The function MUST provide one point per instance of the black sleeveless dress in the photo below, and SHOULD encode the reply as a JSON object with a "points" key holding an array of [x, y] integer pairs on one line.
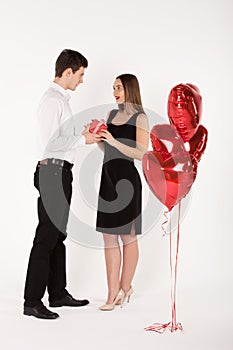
{"points": [[119, 202]]}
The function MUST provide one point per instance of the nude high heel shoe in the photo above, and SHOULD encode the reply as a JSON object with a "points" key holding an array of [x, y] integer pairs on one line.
{"points": [[117, 301], [127, 295]]}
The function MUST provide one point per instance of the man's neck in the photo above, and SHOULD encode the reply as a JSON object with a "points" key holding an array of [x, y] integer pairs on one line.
{"points": [[60, 82]]}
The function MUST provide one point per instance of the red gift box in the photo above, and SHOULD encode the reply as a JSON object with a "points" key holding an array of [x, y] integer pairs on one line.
{"points": [[97, 126]]}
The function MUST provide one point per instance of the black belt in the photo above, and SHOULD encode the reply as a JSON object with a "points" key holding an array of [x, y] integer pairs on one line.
{"points": [[58, 162]]}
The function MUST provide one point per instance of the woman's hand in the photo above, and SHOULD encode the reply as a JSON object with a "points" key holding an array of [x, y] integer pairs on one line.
{"points": [[106, 136]]}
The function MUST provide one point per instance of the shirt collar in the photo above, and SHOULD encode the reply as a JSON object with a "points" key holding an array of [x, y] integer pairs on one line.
{"points": [[61, 90]]}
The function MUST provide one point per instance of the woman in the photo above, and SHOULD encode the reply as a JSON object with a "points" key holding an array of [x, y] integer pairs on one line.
{"points": [[119, 204]]}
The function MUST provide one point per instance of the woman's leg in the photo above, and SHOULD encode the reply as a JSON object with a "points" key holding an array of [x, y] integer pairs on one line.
{"points": [[130, 259], [113, 265]]}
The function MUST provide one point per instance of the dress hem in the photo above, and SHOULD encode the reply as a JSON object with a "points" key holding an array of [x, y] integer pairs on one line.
{"points": [[116, 233]]}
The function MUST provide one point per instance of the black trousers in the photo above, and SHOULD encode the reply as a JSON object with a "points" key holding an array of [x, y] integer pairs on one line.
{"points": [[47, 265]]}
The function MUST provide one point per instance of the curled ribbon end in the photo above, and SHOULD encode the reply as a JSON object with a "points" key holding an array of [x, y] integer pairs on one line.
{"points": [[165, 222], [161, 327]]}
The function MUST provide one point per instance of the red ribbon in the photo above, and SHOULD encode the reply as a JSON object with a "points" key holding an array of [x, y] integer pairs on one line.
{"points": [[165, 222], [161, 327], [173, 325]]}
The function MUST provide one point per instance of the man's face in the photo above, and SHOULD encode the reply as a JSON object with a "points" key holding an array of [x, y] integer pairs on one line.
{"points": [[75, 78]]}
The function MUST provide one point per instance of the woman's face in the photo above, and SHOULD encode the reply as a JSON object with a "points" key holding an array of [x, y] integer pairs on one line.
{"points": [[118, 91]]}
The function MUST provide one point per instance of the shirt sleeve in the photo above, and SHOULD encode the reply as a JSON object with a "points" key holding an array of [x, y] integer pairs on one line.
{"points": [[53, 136]]}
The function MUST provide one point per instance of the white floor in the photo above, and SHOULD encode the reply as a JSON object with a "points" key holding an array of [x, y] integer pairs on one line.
{"points": [[204, 294], [206, 316]]}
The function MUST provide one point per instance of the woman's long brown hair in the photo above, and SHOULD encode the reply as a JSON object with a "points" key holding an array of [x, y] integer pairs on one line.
{"points": [[132, 91]]}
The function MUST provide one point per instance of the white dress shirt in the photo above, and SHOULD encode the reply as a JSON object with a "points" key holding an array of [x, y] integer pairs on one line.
{"points": [[56, 134]]}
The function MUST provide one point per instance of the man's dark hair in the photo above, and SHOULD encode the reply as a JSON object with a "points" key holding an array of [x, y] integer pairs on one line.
{"points": [[69, 59]]}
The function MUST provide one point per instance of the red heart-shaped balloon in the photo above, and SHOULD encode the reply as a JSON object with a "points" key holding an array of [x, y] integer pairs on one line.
{"points": [[198, 143], [184, 109], [168, 168]]}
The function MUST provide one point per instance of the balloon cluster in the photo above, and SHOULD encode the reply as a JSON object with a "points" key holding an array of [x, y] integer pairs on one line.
{"points": [[171, 168]]}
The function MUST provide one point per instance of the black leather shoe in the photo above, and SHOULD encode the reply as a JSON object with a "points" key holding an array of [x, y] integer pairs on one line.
{"points": [[68, 300], [40, 312]]}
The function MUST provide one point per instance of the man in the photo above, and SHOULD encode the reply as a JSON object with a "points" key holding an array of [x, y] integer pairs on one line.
{"points": [[53, 179]]}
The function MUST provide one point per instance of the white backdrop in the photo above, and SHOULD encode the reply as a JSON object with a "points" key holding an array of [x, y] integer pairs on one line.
{"points": [[164, 43]]}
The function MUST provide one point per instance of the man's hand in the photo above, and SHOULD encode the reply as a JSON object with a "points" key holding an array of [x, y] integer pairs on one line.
{"points": [[86, 128], [91, 138]]}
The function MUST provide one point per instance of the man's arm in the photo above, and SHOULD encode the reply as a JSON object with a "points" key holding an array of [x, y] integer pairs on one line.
{"points": [[55, 137]]}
